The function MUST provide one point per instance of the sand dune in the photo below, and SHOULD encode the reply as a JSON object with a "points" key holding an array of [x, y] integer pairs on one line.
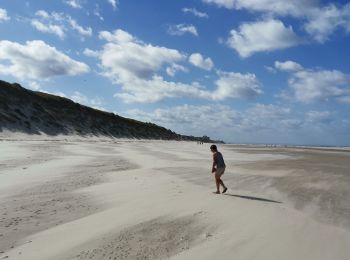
{"points": [[153, 200]]}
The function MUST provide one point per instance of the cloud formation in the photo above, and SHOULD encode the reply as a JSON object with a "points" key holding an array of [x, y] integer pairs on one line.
{"points": [[319, 21], [74, 3], [195, 12], [36, 60], [181, 29], [266, 35], [196, 59], [3, 15], [312, 85], [323, 22], [114, 3], [137, 67], [258, 123], [237, 86], [174, 68], [288, 66], [57, 24]]}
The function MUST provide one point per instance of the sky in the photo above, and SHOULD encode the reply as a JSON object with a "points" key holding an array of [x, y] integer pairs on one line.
{"points": [[242, 71]]}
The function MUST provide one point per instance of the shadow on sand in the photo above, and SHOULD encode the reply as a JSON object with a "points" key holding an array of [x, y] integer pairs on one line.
{"points": [[252, 198]]}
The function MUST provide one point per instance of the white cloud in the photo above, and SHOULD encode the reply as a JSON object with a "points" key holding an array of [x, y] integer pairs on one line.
{"points": [[197, 60], [74, 3], [278, 7], [323, 22], [201, 120], [81, 30], [264, 123], [53, 29], [311, 85], [114, 3], [155, 89], [288, 66], [267, 35], [124, 57], [259, 123], [90, 53], [136, 67], [43, 14], [3, 15], [317, 85], [174, 68], [319, 21], [181, 29], [190, 119], [195, 12], [230, 4], [58, 23], [36, 60], [236, 85]]}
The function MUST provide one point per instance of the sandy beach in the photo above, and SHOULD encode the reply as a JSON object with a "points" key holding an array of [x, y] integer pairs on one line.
{"points": [[124, 199]]}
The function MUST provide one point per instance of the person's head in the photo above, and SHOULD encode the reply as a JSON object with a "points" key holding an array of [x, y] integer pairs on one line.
{"points": [[213, 148]]}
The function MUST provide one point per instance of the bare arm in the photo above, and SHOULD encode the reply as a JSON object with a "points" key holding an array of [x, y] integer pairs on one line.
{"points": [[214, 163]]}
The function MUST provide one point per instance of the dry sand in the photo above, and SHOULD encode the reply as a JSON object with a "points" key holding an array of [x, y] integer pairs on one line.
{"points": [[74, 199]]}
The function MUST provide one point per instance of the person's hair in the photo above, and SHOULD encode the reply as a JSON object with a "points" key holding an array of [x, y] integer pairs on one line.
{"points": [[213, 147]]}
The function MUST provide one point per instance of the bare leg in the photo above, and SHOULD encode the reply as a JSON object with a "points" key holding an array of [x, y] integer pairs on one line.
{"points": [[217, 182], [222, 183]]}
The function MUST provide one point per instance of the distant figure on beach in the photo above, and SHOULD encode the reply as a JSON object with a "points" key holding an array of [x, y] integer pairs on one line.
{"points": [[218, 168]]}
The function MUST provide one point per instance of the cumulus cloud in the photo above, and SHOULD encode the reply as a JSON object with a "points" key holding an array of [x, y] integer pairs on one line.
{"points": [[90, 53], [49, 28], [319, 21], [36, 60], [288, 66], [195, 12], [136, 66], [323, 22], [258, 123], [267, 35], [74, 3], [279, 7], [124, 57], [236, 85], [174, 68], [197, 60], [201, 120], [58, 24], [114, 3], [317, 85], [181, 29], [312, 85], [190, 119], [78, 28], [3, 15], [230, 4]]}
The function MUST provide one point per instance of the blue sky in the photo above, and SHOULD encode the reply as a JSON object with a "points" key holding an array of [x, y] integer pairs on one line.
{"points": [[244, 71]]}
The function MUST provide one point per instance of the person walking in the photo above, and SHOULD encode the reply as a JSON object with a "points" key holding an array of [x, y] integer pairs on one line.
{"points": [[218, 168]]}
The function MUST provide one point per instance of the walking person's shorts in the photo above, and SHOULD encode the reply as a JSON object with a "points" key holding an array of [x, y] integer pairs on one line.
{"points": [[219, 172]]}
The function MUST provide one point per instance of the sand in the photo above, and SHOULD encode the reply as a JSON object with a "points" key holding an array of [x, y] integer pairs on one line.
{"points": [[124, 199]]}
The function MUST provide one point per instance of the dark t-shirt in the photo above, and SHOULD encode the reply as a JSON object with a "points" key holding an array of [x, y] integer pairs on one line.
{"points": [[219, 160]]}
